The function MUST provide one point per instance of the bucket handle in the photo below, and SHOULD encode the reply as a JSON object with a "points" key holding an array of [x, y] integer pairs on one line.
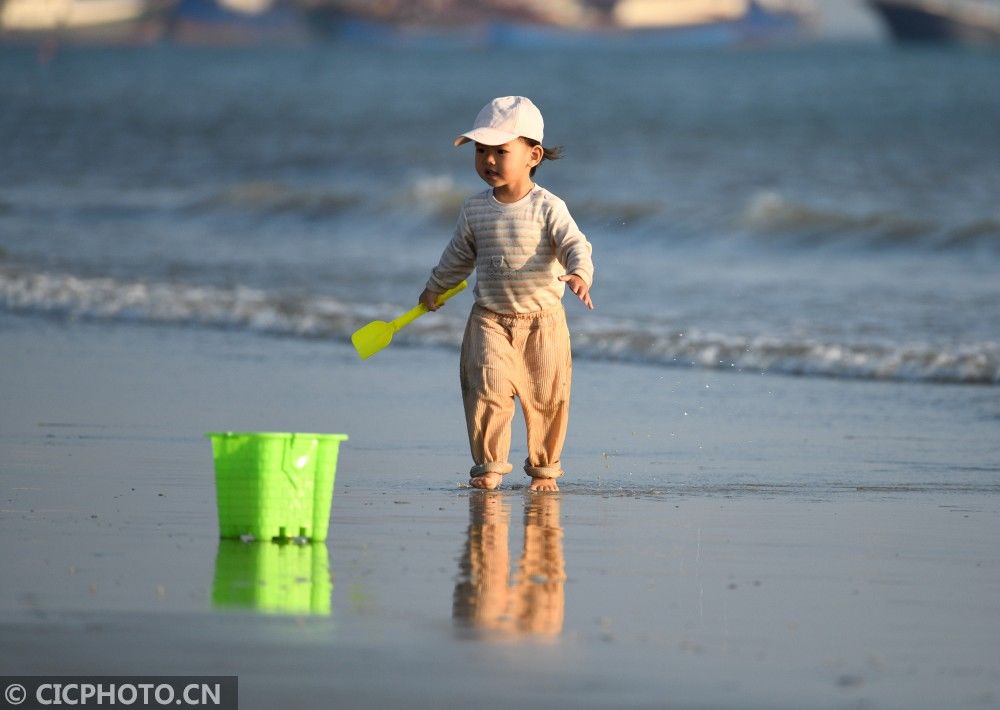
{"points": [[291, 457]]}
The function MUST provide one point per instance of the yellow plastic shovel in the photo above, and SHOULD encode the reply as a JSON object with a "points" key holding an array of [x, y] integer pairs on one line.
{"points": [[378, 334]]}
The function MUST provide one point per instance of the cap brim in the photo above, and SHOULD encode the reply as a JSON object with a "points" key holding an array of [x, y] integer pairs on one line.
{"points": [[486, 136]]}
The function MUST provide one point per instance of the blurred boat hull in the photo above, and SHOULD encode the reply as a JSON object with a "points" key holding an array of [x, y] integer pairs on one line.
{"points": [[972, 23]]}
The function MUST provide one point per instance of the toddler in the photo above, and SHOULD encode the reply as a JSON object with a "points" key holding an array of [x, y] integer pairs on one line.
{"points": [[525, 248]]}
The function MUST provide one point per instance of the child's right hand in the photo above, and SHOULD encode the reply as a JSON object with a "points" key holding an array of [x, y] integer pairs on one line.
{"points": [[429, 298]]}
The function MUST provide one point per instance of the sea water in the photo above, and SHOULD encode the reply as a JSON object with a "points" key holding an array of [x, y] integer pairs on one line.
{"points": [[826, 211]]}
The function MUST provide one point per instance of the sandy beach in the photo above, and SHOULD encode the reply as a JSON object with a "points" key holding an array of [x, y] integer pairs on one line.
{"points": [[720, 540]]}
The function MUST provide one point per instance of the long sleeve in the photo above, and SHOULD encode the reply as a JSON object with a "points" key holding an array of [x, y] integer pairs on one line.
{"points": [[572, 248], [458, 259]]}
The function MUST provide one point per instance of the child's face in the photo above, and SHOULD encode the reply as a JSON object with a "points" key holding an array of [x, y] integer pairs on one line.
{"points": [[507, 165]]}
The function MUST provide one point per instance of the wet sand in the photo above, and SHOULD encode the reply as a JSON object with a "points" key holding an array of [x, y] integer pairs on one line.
{"points": [[721, 539]]}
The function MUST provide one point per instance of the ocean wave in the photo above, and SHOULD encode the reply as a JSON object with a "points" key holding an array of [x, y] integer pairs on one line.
{"points": [[254, 196], [276, 197], [420, 201], [88, 199], [69, 296], [620, 212], [975, 363], [64, 295], [774, 216], [437, 195]]}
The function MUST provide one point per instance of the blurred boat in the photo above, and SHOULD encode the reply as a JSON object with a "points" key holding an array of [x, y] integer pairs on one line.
{"points": [[635, 23], [653, 23], [98, 21], [236, 22], [973, 22]]}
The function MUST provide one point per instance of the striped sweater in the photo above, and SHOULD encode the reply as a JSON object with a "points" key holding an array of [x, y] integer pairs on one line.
{"points": [[518, 250]]}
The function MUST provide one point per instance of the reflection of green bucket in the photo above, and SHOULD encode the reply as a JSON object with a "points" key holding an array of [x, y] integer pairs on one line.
{"points": [[277, 578], [272, 485]]}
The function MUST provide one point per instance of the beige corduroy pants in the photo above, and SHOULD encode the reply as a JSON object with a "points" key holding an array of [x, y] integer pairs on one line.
{"points": [[523, 355]]}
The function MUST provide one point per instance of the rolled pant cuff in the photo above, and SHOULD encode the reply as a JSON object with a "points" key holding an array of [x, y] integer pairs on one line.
{"points": [[551, 471], [490, 467]]}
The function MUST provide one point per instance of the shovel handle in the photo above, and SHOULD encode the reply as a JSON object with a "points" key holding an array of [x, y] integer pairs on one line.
{"points": [[419, 309]]}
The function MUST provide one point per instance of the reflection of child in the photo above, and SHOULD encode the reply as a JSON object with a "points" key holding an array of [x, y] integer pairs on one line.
{"points": [[525, 248], [535, 603], [540, 598]]}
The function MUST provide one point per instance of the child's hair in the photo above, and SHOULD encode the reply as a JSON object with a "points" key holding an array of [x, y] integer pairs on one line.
{"points": [[553, 153]]}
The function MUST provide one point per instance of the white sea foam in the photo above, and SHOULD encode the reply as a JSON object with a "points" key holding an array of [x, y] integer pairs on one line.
{"points": [[67, 296], [977, 363]]}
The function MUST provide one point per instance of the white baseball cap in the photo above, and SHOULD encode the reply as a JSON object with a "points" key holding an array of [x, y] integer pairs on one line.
{"points": [[504, 119]]}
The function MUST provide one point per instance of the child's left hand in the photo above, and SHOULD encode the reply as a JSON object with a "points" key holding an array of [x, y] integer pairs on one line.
{"points": [[579, 287]]}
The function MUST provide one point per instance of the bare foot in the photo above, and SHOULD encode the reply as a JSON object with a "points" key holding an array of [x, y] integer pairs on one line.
{"points": [[488, 481], [543, 484]]}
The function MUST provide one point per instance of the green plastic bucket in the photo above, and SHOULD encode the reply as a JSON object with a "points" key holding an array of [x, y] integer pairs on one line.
{"points": [[274, 485], [272, 577]]}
